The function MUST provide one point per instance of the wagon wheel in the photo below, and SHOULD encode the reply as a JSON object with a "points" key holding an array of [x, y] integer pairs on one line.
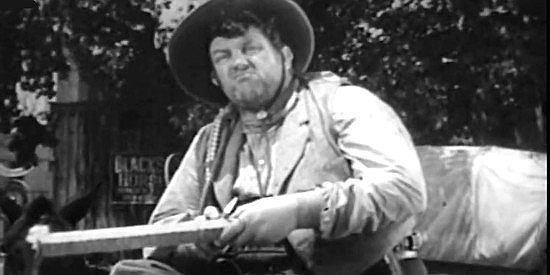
{"points": [[9, 172]]}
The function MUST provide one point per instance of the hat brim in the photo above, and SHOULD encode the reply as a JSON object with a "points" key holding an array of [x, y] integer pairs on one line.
{"points": [[188, 48]]}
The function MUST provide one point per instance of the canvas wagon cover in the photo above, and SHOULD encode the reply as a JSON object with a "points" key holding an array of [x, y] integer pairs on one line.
{"points": [[486, 205]]}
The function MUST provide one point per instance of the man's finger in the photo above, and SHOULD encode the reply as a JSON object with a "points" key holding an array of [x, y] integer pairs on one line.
{"points": [[243, 238], [211, 213], [234, 229], [203, 252], [208, 250], [238, 212]]}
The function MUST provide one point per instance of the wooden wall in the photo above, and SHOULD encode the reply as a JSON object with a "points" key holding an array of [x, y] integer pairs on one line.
{"points": [[93, 122], [89, 135]]}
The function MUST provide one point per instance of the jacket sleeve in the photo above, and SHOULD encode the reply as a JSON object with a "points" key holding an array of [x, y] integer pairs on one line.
{"points": [[180, 200], [387, 185]]}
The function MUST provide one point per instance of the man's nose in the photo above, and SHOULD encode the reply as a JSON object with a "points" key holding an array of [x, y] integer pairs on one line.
{"points": [[240, 61]]}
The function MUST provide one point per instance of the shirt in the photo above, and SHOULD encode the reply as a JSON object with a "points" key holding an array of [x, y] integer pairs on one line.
{"points": [[256, 160]]}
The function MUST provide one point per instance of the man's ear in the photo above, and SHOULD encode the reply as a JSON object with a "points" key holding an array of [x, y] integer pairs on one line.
{"points": [[75, 210], [288, 56], [214, 79]]}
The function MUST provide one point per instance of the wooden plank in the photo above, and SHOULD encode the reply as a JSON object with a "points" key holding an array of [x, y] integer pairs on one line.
{"points": [[126, 238]]}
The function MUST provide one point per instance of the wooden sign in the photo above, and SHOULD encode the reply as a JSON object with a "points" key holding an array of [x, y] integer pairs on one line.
{"points": [[137, 179]]}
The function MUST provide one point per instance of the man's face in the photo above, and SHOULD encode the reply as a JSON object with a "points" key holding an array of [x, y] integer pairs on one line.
{"points": [[248, 68]]}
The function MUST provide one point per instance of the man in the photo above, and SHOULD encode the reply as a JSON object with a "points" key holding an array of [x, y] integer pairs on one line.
{"points": [[327, 177]]}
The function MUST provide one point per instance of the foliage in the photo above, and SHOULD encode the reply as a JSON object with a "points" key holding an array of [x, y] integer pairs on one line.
{"points": [[109, 41], [28, 57], [457, 72], [24, 141]]}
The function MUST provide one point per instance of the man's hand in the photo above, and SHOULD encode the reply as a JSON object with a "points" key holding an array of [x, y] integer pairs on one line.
{"points": [[264, 221], [269, 220], [207, 249]]}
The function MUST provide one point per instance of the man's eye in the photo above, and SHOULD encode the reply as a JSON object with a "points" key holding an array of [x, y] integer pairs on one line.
{"points": [[220, 57], [252, 49]]}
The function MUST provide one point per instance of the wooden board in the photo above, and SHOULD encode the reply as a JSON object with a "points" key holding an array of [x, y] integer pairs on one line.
{"points": [[126, 238]]}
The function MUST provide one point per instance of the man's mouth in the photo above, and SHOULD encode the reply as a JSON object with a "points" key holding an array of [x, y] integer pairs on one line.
{"points": [[243, 76]]}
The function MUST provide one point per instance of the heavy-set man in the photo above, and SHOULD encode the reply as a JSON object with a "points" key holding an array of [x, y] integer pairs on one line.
{"points": [[326, 174]]}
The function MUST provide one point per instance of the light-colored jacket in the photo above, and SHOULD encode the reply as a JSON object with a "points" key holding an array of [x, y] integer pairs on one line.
{"points": [[340, 138]]}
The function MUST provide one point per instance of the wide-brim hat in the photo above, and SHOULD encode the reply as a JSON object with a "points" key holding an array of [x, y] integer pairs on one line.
{"points": [[188, 55]]}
